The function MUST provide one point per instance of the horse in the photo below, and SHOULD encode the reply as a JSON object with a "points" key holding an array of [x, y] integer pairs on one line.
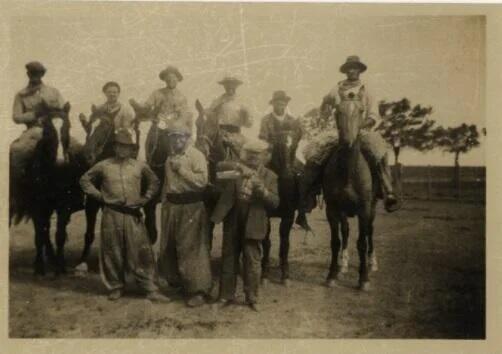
{"points": [[350, 189], [50, 184], [289, 170], [283, 162]]}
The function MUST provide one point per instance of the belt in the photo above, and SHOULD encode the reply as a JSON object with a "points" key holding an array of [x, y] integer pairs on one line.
{"points": [[125, 210], [230, 128], [185, 198]]}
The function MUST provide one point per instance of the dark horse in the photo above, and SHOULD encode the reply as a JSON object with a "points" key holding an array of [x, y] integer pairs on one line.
{"points": [[49, 184], [350, 190], [289, 170]]}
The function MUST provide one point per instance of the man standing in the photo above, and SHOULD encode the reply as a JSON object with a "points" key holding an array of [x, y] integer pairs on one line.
{"points": [[243, 207], [184, 258], [227, 115], [124, 243], [163, 106]]}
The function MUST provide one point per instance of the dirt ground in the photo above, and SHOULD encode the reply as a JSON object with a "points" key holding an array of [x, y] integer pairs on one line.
{"points": [[431, 284]]}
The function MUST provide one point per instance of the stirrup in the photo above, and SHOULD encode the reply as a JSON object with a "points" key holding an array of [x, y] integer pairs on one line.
{"points": [[392, 205]]}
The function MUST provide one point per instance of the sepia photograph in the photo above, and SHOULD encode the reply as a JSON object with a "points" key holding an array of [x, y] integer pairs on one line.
{"points": [[244, 171]]}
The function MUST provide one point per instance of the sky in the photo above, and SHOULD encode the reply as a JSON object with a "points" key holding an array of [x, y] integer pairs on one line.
{"points": [[431, 60]]}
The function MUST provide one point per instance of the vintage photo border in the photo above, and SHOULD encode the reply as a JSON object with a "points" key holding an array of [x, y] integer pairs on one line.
{"points": [[9, 10]]}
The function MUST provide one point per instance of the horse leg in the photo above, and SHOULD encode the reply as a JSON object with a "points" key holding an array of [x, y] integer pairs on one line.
{"points": [[344, 223], [151, 221], [372, 258], [39, 265], [362, 248], [284, 231], [91, 213], [334, 269], [265, 261], [61, 235]]}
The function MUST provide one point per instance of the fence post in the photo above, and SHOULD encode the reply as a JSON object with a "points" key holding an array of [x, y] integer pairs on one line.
{"points": [[429, 182]]}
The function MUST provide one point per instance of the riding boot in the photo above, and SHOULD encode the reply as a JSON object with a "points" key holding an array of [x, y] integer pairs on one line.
{"points": [[307, 198], [390, 200]]}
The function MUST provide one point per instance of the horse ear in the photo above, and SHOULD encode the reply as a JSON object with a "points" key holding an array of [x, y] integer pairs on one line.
{"points": [[199, 107], [67, 107]]}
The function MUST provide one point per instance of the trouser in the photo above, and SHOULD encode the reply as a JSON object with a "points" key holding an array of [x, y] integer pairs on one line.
{"points": [[125, 246], [184, 257], [235, 243]]}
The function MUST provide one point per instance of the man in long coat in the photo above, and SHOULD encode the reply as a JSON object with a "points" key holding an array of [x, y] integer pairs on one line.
{"points": [[184, 258], [243, 208]]}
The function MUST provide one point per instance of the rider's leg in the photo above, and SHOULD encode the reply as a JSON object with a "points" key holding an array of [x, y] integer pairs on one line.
{"points": [[312, 173], [373, 149]]}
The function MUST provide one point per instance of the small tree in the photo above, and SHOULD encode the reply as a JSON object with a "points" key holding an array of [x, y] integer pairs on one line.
{"points": [[457, 140], [404, 126]]}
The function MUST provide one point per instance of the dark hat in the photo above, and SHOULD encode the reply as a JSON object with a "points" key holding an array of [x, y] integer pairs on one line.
{"points": [[280, 96], [35, 67], [122, 136], [170, 69], [230, 80], [110, 84], [352, 62]]}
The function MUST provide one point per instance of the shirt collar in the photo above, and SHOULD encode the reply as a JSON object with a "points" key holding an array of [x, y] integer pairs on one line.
{"points": [[280, 118]]}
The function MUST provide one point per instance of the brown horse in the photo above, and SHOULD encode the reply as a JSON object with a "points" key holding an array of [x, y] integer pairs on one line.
{"points": [[349, 190], [49, 185]]}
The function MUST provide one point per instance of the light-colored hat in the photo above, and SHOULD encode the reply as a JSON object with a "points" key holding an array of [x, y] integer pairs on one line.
{"points": [[230, 81], [170, 69], [122, 136], [280, 96], [353, 62], [255, 145], [178, 127], [35, 67]]}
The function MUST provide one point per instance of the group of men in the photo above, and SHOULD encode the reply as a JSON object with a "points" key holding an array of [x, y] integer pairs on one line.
{"points": [[249, 190]]}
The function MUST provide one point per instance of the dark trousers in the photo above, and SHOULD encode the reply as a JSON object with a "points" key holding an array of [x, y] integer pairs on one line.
{"points": [[235, 243]]}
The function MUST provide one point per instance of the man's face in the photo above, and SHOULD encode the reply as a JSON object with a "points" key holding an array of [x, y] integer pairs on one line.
{"points": [[252, 159], [230, 89], [35, 77], [178, 142], [171, 80], [279, 107], [353, 74], [123, 151], [112, 94]]}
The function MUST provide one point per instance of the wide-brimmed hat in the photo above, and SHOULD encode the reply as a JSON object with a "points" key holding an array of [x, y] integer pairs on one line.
{"points": [[170, 69], [35, 67], [122, 136], [280, 96], [178, 127], [255, 146], [353, 62], [230, 80]]}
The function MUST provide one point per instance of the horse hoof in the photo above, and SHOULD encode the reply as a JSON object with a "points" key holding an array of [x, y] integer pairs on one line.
{"points": [[373, 267], [365, 286], [286, 283], [264, 282], [81, 269], [344, 269]]}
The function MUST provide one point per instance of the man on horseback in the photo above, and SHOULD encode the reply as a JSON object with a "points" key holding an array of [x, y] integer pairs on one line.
{"points": [[31, 105], [119, 115], [162, 107], [226, 116], [373, 146]]}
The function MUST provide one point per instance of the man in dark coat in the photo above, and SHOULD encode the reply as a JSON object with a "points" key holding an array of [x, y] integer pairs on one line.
{"points": [[243, 207]]}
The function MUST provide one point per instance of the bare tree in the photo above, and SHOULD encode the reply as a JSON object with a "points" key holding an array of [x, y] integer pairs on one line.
{"points": [[404, 126], [457, 140]]}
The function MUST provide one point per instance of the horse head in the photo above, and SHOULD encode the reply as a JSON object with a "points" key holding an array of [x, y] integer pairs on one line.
{"points": [[283, 156], [56, 134], [99, 134], [349, 121]]}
